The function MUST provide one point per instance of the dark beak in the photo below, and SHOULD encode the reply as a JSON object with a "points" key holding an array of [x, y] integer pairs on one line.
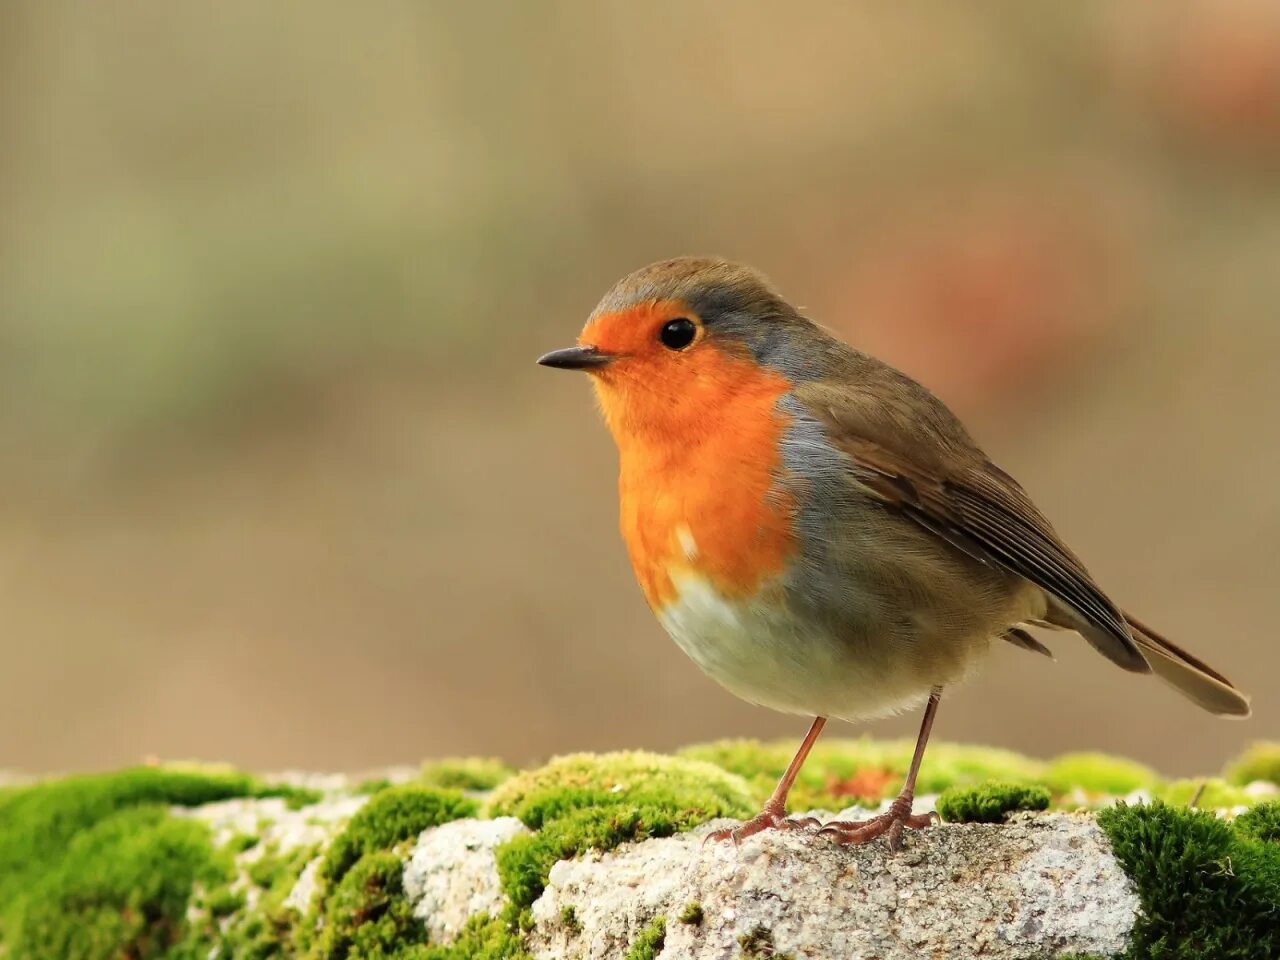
{"points": [[576, 358]]}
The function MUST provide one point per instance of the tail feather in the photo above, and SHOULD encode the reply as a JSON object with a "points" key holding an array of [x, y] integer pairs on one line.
{"points": [[1190, 675], [1020, 638]]}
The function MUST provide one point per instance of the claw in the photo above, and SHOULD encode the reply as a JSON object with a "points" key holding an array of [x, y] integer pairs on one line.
{"points": [[898, 818], [766, 819], [800, 823]]}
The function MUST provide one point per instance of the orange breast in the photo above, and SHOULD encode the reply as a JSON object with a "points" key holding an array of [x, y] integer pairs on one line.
{"points": [[699, 474]]}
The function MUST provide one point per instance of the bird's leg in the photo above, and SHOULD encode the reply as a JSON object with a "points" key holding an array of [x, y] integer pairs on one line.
{"points": [[899, 815], [773, 816]]}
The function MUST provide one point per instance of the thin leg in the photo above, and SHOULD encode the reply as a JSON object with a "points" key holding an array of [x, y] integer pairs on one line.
{"points": [[899, 816], [775, 809], [926, 728]]}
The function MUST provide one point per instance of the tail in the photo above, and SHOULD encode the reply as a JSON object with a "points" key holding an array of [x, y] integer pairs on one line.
{"points": [[1193, 678]]}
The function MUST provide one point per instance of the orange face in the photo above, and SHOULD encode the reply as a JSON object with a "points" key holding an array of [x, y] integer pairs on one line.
{"points": [[698, 428], [641, 387]]}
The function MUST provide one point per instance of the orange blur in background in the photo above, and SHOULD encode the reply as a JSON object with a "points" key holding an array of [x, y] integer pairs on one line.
{"points": [[280, 483]]}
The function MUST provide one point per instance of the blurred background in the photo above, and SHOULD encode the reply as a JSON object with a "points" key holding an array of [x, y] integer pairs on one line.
{"points": [[280, 483]]}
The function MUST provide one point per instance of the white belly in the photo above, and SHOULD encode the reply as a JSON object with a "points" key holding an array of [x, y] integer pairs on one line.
{"points": [[761, 654]]}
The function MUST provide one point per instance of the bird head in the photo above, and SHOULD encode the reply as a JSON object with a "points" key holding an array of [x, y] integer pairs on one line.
{"points": [[672, 342]]}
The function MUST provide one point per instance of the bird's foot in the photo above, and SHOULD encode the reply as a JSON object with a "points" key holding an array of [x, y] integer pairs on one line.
{"points": [[898, 818], [770, 818]]}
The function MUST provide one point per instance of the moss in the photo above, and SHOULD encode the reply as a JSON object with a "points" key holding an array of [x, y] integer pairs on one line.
{"points": [[1099, 773], [367, 914], [1260, 823], [483, 938], [121, 890], [40, 823], [698, 790], [525, 862], [1260, 762], [396, 814], [274, 870], [650, 942], [223, 901], [268, 930], [241, 842], [691, 914], [759, 943], [569, 918], [362, 910], [370, 787], [467, 773], [1208, 794], [839, 773], [990, 802], [295, 798], [1206, 889], [582, 802]]}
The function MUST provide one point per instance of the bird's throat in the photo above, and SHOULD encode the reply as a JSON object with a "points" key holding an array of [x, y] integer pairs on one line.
{"points": [[710, 500]]}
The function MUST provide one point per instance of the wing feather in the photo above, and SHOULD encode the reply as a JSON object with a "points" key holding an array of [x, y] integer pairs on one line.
{"points": [[949, 488]]}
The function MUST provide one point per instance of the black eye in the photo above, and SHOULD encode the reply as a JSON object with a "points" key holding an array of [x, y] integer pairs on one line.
{"points": [[678, 333]]}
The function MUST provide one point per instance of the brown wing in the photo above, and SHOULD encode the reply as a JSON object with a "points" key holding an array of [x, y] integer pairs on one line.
{"points": [[927, 468]]}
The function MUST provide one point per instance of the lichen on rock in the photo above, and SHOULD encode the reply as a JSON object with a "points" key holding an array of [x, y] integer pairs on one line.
{"points": [[976, 890]]}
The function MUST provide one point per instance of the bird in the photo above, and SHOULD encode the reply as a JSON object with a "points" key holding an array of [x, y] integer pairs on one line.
{"points": [[817, 531]]}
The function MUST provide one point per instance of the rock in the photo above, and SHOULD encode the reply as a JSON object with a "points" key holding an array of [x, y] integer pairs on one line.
{"points": [[323, 867], [1035, 887], [452, 874], [272, 821]]}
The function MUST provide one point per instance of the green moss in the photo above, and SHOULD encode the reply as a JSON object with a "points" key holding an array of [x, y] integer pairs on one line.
{"points": [[569, 918], [40, 823], [649, 944], [1206, 890], [990, 802], [1260, 762], [372, 786], [223, 901], [691, 914], [465, 773], [525, 862], [96, 867], [1260, 823], [120, 890], [483, 938], [390, 816], [367, 914], [1208, 794], [242, 842], [697, 790], [1099, 773], [759, 944], [270, 929], [583, 801], [295, 798], [841, 773], [362, 910]]}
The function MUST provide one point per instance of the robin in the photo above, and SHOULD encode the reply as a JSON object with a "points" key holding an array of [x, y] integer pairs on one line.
{"points": [[816, 529]]}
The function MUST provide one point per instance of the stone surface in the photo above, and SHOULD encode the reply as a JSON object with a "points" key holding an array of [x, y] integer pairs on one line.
{"points": [[452, 874], [1034, 887], [272, 822], [1037, 886], [278, 829]]}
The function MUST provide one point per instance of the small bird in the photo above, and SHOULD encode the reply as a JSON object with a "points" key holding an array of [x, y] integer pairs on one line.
{"points": [[816, 530]]}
